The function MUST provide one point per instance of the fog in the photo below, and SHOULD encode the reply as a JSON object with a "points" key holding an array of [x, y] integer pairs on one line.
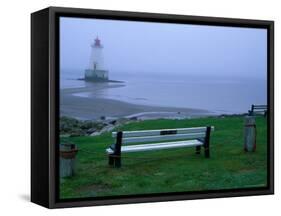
{"points": [[153, 48]]}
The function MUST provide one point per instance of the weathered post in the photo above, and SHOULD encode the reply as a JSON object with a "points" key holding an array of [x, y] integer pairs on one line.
{"points": [[250, 134], [67, 159]]}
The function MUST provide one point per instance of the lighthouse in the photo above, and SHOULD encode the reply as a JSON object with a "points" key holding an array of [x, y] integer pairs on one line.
{"points": [[95, 70]]}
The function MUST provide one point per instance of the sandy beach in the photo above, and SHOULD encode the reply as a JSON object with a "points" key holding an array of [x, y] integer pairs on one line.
{"points": [[74, 103]]}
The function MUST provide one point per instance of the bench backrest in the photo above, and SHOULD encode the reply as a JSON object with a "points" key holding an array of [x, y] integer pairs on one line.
{"points": [[257, 108], [143, 136]]}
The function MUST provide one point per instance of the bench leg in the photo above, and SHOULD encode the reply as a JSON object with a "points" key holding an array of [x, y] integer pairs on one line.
{"points": [[198, 149], [207, 142], [117, 162], [207, 152], [110, 160], [114, 160], [117, 151]]}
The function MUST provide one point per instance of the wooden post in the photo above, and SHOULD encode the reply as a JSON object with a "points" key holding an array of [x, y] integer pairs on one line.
{"points": [[117, 151], [250, 134], [67, 159], [111, 159], [207, 142]]}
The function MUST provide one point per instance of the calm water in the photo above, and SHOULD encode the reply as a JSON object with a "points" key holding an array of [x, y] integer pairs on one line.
{"points": [[217, 94]]}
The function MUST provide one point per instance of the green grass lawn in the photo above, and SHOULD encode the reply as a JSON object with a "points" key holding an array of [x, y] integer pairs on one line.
{"points": [[175, 170]]}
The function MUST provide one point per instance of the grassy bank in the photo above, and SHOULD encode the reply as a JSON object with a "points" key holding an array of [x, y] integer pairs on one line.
{"points": [[170, 170]]}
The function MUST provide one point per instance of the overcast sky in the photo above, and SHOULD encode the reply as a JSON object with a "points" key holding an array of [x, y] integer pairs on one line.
{"points": [[144, 47]]}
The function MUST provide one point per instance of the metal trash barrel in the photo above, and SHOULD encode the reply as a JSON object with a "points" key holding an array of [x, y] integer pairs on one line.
{"points": [[68, 153], [250, 134]]}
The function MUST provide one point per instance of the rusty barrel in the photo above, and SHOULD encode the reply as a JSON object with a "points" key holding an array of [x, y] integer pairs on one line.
{"points": [[68, 153]]}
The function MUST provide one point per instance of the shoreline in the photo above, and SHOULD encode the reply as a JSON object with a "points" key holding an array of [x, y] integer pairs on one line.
{"points": [[94, 107], [93, 115]]}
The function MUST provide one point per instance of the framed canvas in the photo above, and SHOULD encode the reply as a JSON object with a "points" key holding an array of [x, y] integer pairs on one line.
{"points": [[139, 107]]}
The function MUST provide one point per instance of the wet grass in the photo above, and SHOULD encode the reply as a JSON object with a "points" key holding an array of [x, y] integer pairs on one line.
{"points": [[174, 170]]}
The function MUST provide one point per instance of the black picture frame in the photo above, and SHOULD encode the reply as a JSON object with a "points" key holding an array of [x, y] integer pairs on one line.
{"points": [[45, 102]]}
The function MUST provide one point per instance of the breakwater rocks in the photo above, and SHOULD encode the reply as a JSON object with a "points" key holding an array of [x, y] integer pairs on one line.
{"points": [[74, 127]]}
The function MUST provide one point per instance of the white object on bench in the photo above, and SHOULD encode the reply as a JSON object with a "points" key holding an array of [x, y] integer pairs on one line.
{"points": [[188, 137]]}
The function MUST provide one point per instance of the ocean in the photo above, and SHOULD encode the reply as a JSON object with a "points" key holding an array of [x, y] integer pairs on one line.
{"points": [[229, 95]]}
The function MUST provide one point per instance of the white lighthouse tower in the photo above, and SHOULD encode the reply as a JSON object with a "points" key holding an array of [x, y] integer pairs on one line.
{"points": [[96, 71]]}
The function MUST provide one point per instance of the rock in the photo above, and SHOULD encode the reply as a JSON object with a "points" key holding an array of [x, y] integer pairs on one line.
{"points": [[97, 133], [108, 128], [91, 130], [75, 134], [64, 135], [113, 122], [105, 129], [86, 124], [122, 120]]}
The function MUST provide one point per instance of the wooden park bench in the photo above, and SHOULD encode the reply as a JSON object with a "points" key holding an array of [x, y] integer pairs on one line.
{"points": [[149, 140], [258, 109]]}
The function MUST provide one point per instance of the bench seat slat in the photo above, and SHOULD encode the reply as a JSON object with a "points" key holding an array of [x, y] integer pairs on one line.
{"points": [[259, 111], [157, 146], [163, 138], [158, 132]]}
